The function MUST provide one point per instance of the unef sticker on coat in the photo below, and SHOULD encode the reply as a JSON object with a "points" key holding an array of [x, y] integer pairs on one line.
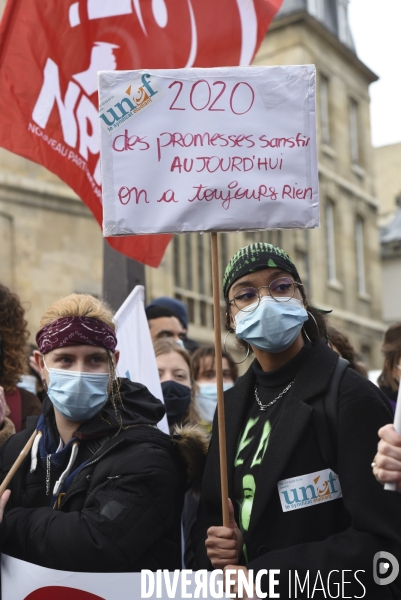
{"points": [[309, 490]]}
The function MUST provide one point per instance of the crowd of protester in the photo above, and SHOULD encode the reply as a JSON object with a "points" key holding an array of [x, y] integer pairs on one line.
{"points": [[104, 489]]}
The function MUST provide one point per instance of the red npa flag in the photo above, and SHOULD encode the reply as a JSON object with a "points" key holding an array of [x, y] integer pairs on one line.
{"points": [[50, 52]]}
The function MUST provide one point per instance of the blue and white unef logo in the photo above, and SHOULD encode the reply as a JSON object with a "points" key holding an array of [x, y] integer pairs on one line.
{"points": [[309, 490], [126, 103]]}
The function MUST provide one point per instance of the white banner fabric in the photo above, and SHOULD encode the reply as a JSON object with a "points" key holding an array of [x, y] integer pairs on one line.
{"points": [[221, 149], [21, 580], [137, 358]]}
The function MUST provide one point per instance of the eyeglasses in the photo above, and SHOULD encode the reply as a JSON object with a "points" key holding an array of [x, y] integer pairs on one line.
{"points": [[282, 290]]}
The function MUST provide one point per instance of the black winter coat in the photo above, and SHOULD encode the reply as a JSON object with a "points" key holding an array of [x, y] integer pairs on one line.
{"points": [[121, 513], [342, 534]]}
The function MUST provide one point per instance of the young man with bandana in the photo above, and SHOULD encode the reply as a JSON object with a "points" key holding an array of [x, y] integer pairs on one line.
{"points": [[102, 489], [291, 507]]}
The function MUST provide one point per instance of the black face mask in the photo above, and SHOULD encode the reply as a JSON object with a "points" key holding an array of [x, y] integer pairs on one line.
{"points": [[177, 398]]}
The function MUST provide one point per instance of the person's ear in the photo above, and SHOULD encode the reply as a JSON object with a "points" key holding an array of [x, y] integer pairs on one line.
{"points": [[116, 357], [40, 363], [38, 356]]}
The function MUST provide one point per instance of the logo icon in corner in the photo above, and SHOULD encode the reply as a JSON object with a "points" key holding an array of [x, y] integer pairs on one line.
{"points": [[126, 102], [385, 568]]}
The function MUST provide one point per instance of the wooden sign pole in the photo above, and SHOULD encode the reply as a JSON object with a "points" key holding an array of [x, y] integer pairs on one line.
{"points": [[24, 452], [219, 379]]}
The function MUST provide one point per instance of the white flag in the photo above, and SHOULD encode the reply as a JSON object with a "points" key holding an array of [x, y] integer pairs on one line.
{"points": [[22, 580], [137, 358]]}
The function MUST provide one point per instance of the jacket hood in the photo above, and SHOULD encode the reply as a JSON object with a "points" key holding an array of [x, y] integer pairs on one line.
{"points": [[137, 406], [192, 443]]}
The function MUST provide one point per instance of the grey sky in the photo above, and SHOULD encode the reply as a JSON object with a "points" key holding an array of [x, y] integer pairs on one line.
{"points": [[376, 30]]}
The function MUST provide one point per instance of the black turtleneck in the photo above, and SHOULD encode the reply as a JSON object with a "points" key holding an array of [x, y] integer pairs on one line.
{"points": [[271, 383], [258, 426]]}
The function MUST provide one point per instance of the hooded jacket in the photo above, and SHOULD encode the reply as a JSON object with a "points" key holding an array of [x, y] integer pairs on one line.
{"points": [[110, 500]]}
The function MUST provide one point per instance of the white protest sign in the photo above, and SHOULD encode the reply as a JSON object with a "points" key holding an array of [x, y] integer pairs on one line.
{"points": [[220, 149]]}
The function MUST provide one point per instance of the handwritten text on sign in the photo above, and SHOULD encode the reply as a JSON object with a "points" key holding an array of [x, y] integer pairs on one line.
{"points": [[208, 149]]}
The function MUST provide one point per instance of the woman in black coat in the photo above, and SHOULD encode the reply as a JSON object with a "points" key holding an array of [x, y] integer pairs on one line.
{"points": [[319, 517], [102, 489]]}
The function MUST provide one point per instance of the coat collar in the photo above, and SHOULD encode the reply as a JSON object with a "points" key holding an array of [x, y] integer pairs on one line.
{"points": [[310, 383], [316, 373]]}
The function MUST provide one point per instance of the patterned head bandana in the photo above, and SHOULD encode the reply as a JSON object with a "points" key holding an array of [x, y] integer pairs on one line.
{"points": [[255, 258], [76, 331]]}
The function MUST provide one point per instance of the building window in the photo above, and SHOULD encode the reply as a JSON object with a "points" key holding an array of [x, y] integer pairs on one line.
{"points": [[302, 260], [192, 277], [224, 251], [342, 16], [330, 242], [366, 353], [191, 309], [203, 313], [324, 109], [201, 265], [188, 262], [177, 261], [316, 8], [360, 256], [276, 238], [354, 131]]}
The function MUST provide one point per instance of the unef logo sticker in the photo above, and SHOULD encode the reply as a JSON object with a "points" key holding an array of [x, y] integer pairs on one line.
{"points": [[309, 490], [125, 104]]}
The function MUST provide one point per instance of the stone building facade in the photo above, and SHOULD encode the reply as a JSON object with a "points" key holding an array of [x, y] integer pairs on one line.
{"points": [[343, 255], [388, 186], [387, 164], [52, 246], [50, 243], [339, 262]]}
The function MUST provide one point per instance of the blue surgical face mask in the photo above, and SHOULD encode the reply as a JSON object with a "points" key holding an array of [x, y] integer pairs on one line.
{"points": [[77, 396], [273, 326], [206, 399], [181, 343]]}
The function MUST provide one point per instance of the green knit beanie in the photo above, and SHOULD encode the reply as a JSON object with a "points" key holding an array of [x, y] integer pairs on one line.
{"points": [[256, 257]]}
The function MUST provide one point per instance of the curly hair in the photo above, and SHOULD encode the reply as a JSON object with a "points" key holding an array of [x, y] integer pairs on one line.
{"points": [[14, 337]]}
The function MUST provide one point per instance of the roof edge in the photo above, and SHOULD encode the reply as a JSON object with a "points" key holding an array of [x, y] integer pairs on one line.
{"points": [[302, 15]]}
